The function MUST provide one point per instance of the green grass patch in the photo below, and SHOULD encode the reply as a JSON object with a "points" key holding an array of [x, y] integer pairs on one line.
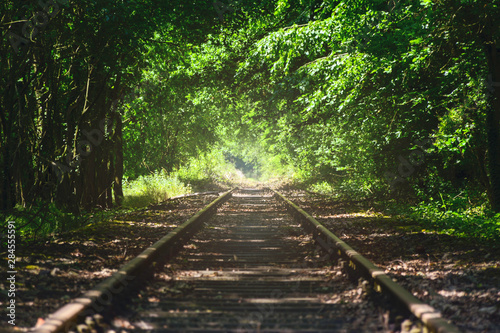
{"points": [[45, 218], [153, 188], [472, 222], [205, 172], [447, 214]]}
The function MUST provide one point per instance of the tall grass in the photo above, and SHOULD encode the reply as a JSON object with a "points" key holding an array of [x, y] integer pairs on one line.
{"points": [[455, 215], [39, 219], [153, 188], [204, 172], [44, 218]]}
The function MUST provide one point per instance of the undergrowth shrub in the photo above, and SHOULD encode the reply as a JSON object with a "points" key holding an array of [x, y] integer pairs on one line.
{"points": [[45, 218], [209, 168], [456, 216], [153, 188], [40, 219], [197, 174]]}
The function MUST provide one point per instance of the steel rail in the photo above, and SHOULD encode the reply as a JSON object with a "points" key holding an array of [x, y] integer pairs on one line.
{"points": [[98, 298], [359, 266]]}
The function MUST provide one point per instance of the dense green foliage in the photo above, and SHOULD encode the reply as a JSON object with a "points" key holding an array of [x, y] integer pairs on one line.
{"points": [[69, 67], [358, 99]]}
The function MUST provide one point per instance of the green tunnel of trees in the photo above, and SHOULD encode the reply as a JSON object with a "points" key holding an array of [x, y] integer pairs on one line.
{"points": [[386, 99]]}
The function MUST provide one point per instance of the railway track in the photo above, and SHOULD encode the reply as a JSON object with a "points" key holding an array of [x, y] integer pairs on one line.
{"points": [[260, 265]]}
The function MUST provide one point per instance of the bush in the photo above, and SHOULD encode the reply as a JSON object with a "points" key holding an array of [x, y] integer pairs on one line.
{"points": [[44, 218], [40, 219], [455, 216], [153, 188], [209, 168]]}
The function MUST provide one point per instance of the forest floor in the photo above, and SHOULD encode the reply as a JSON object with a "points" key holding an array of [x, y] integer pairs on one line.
{"points": [[460, 277], [60, 268]]}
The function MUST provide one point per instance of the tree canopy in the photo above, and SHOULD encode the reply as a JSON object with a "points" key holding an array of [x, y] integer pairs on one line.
{"points": [[386, 99]]}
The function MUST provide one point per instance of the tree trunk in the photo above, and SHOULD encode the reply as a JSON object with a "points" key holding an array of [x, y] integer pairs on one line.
{"points": [[118, 166], [7, 193], [110, 179], [493, 125], [89, 197]]}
